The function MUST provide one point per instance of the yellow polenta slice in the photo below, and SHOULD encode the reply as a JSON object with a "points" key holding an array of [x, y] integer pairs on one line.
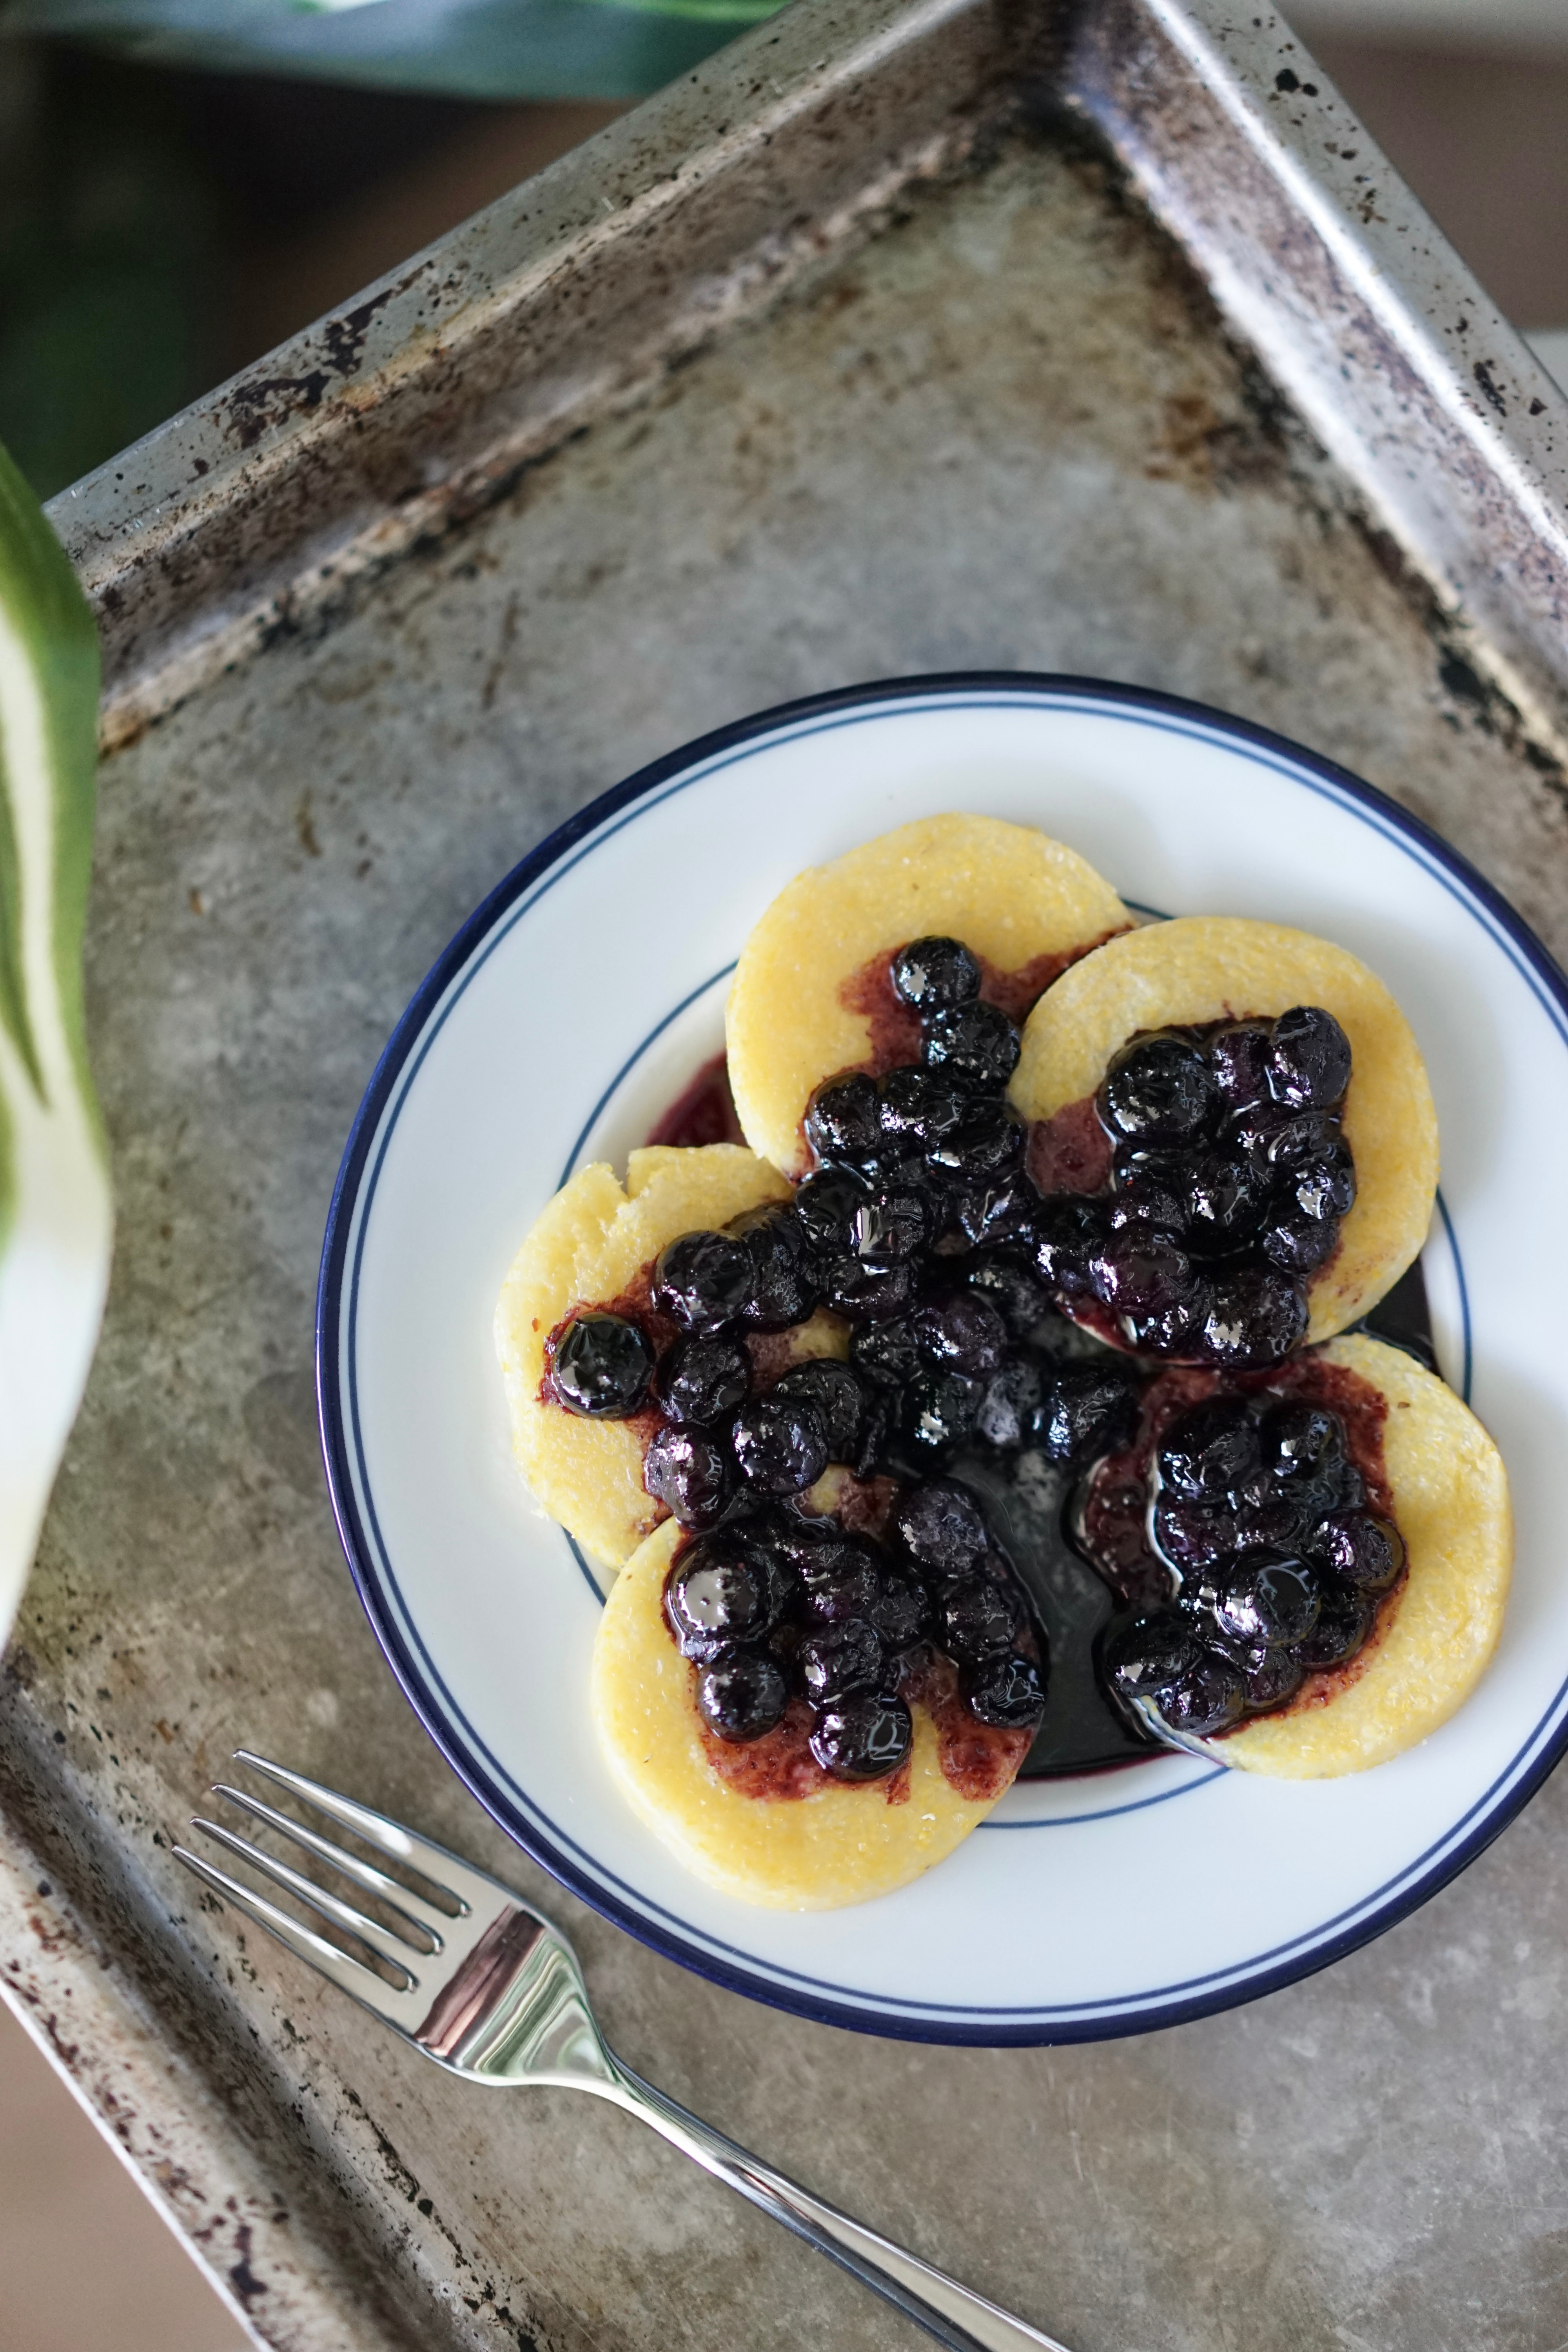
{"points": [[1205, 968], [840, 1845], [1450, 1502], [1009, 893], [587, 1247]]}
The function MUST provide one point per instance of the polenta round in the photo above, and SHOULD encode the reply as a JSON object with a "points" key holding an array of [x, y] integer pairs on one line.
{"points": [[588, 1246], [842, 1843], [1010, 894], [1206, 968], [1451, 1505]]}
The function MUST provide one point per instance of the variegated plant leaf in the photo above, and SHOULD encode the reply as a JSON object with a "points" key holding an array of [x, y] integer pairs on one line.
{"points": [[55, 1219]]}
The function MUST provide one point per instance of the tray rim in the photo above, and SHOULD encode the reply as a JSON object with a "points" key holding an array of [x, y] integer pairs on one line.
{"points": [[412, 1677]]}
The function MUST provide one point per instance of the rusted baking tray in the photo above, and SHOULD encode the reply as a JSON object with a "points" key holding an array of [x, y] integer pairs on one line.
{"points": [[898, 338]]}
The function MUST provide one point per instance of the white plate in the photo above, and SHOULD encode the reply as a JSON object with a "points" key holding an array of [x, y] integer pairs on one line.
{"points": [[571, 1009]]}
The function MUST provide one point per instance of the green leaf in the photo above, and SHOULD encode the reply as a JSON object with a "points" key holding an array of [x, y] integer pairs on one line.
{"points": [[466, 49], [55, 1214]]}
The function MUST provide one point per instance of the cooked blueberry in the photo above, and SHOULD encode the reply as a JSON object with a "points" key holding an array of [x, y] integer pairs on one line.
{"points": [[1367, 1552], [1267, 1600], [900, 1611], [1089, 1409], [1210, 1448], [785, 1590], [836, 1394], [742, 1694], [1295, 1245], [974, 1041], [1238, 1056], [784, 1644], [963, 1333], [1145, 1657], [1342, 1628], [1146, 1200], [1007, 1691], [703, 1280], [940, 1409], [870, 1294], [863, 1737], [975, 1619], [825, 1204], [1227, 1202], [1011, 1406], [1159, 1091], [1299, 1441], [840, 1599], [1193, 1531], [1338, 1487], [1273, 1516], [839, 1659], [808, 1545], [1256, 1317], [876, 1421], [1308, 1059], [1172, 1330], [920, 1107], [1140, 1272], [935, 974], [703, 1380], [886, 1352], [1272, 1677], [845, 1583], [691, 1474], [1003, 1211], [1069, 1230], [1012, 1290], [1324, 1190], [1296, 1139], [716, 1594], [783, 1290], [988, 1143], [939, 1526], [844, 1120], [601, 1366], [892, 1222], [780, 1443], [1209, 1698]]}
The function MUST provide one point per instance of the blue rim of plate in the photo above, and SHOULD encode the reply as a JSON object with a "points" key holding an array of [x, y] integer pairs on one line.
{"points": [[459, 1743]]}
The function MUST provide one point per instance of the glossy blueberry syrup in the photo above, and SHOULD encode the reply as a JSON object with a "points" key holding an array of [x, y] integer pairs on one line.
{"points": [[704, 1112]]}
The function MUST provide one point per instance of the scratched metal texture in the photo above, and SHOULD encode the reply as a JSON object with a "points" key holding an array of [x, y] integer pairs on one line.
{"points": [[991, 416]]}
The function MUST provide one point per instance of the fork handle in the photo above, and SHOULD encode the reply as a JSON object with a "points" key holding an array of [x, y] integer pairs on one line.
{"points": [[962, 2320]]}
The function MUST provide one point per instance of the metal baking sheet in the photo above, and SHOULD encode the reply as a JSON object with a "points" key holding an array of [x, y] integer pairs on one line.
{"points": [[896, 339]]}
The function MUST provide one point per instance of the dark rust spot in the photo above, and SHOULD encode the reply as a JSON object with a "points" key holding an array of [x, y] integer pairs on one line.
{"points": [[254, 406]]}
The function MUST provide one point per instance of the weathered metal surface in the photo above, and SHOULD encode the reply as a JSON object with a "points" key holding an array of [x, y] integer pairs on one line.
{"points": [[1006, 429], [396, 417], [1321, 258]]}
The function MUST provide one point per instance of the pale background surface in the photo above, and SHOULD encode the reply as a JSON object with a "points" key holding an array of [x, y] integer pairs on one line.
{"points": [[1470, 99]]}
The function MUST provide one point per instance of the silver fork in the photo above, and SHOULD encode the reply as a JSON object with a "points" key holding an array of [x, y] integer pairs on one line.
{"points": [[490, 1989]]}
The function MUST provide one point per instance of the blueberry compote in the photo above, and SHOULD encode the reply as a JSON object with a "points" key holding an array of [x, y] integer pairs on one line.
{"points": [[970, 1410], [1248, 1534], [1229, 1175], [822, 1637]]}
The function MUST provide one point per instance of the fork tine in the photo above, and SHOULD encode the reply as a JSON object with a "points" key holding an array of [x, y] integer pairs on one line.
{"points": [[423, 1917], [330, 1906], [467, 1885], [350, 1975]]}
